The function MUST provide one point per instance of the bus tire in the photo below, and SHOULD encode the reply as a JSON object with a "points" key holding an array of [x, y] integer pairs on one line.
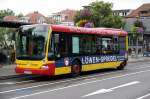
{"points": [[75, 68], [122, 65]]}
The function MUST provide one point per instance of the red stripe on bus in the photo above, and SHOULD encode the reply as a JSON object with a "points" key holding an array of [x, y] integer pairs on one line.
{"points": [[81, 30]]}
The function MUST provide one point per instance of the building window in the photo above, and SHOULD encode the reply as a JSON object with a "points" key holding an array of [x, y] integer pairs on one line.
{"points": [[66, 18]]}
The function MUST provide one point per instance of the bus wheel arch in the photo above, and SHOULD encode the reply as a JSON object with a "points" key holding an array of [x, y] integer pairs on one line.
{"points": [[76, 67], [122, 65]]}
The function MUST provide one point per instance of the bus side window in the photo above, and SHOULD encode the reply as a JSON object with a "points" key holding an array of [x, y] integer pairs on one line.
{"points": [[116, 45], [122, 44], [98, 45], [75, 45], [87, 44], [57, 44], [51, 51], [60, 44], [107, 45]]}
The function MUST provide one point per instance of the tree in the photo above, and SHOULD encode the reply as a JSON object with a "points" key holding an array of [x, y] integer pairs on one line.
{"points": [[137, 30], [84, 14], [6, 33], [20, 15], [6, 40], [113, 22], [6, 12], [100, 14], [6, 37]]}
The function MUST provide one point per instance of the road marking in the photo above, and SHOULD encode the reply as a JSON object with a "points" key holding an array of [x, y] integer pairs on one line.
{"points": [[140, 67], [85, 78], [11, 83], [24, 81], [142, 97], [135, 73], [1, 92], [111, 89], [7, 83]]}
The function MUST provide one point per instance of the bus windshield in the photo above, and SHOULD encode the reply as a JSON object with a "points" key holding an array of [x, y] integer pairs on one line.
{"points": [[31, 44]]}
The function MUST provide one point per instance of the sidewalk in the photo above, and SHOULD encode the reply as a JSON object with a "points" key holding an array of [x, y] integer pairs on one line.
{"points": [[140, 58], [8, 71]]}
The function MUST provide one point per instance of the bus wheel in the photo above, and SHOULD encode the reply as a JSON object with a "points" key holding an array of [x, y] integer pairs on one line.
{"points": [[122, 65], [75, 68]]}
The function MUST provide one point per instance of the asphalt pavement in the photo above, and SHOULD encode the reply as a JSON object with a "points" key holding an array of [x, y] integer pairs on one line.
{"points": [[130, 83], [8, 71]]}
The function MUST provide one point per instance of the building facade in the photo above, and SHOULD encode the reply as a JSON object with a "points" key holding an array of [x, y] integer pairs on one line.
{"points": [[123, 13], [64, 17], [35, 18], [141, 14]]}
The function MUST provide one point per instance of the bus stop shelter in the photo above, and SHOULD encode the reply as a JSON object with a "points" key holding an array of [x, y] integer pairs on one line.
{"points": [[12, 24], [9, 24]]}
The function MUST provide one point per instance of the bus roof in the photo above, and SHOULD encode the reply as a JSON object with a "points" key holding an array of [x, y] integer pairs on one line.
{"points": [[82, 30]]}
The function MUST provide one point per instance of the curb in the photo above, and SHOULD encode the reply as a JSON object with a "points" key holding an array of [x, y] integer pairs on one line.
{"points": [[145, 60], [13, 76], [9, 77]]}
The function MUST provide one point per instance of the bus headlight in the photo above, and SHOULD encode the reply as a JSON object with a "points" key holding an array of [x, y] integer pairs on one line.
{"points": [[45, 67]]}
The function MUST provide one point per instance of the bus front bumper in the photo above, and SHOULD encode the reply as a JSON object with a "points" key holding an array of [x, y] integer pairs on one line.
{"points": [[49, 71]]}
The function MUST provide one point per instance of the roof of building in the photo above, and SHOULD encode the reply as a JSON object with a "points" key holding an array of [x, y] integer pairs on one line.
{"points": [[10, 18], [12, 24], [122, 10], [68, 13], [33, 17], [143, 10]]}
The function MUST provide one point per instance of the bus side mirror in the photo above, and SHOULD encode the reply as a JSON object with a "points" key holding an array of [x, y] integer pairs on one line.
{"points": [[58, 55], [52, 56]]}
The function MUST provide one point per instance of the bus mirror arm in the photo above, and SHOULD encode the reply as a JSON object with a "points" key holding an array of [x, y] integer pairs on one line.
{"points": [[56, 57]]}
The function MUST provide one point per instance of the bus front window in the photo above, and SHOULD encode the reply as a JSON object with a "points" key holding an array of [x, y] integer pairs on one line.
{"points": [[32, 42]]}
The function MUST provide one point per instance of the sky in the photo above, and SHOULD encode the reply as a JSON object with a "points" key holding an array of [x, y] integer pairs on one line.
{"points": [[47, 7]]}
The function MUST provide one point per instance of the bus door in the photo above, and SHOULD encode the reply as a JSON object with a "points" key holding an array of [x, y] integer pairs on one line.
{"points": [[58, 51]]}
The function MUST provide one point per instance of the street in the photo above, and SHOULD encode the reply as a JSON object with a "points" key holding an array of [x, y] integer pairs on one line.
{"points": [[131, 83]]}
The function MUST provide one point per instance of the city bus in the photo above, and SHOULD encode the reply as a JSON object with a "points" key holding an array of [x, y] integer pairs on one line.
{"points": [[44, 49]]}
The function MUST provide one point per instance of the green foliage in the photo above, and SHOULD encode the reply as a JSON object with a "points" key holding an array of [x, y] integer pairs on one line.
{"points": [[6, 37], [137, 28], [20, 15], [6, 33], [82, 15], [100, 14], [138, 23], [6, 12], [134, 30], [113, 21], [81, 23]]}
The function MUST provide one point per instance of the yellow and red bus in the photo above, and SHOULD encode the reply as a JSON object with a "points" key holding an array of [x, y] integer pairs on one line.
{"points": [[55, 50]]}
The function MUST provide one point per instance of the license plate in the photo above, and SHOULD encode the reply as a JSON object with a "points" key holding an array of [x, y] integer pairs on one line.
{"points": [[27, 72]]}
